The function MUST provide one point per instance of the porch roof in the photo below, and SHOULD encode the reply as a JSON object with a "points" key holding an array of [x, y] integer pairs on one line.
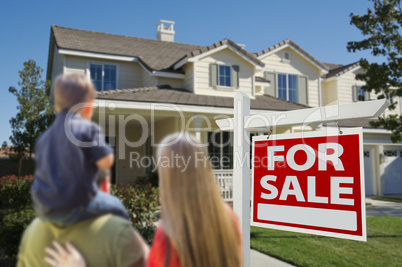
{"points": [[165, 94]]}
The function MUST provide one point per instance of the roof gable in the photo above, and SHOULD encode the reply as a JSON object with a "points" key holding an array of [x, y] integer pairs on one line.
{"points": [[196, 54], [296, 48], [336, 70]]}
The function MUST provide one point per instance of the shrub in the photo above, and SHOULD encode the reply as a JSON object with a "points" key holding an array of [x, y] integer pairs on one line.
{"points": [[15, 192], [12, 226], [142, 203]]}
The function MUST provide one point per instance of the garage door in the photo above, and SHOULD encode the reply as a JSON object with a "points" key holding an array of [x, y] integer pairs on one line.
{"points": [[369, 171], [393, 170]]}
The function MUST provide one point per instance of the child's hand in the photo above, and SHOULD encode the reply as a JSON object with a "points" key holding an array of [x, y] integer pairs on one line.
{"points": [[69, 257]]}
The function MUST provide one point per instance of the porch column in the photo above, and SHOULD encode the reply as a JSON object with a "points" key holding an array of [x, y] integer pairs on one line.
{"points": [[197, 125]]}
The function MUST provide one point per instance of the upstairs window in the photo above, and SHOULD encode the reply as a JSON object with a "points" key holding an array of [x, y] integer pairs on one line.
{"points": [[225, 77], [103, 76], [290, 87], [358, 94], [287, 87]]}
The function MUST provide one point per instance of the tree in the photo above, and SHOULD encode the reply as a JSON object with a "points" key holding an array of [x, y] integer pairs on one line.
{"points": [[35, 111], [382, 27]]}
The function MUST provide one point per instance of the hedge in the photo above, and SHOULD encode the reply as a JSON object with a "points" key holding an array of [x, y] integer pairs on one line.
{"points": [[141, 201]]}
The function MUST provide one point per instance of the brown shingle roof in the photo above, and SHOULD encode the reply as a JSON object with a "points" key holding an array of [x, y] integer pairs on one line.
{"points": [[336, 70], [248, 55], [165, 94], [158, 55], [295, 46], [154, 54]]}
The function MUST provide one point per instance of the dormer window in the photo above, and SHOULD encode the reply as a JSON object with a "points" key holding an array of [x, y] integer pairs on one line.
{"points": [[103, 76], [286, 56], [224, 76]]}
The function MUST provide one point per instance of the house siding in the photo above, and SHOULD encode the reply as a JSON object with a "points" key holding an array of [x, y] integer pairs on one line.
{"points": [[224, 57], [129, 73], [298, 65], [147, 79], [174, 83], [329, 93], [189, 77]]}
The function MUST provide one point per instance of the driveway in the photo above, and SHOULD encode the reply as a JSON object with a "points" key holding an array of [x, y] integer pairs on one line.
{"points": [[383, 208]]}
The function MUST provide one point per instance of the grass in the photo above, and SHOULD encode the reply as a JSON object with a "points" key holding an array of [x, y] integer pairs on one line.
{"points": [[389, 199], [383, 246]]}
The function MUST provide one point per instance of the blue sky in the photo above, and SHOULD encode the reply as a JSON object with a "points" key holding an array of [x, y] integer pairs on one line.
{"points": [[321, 28]]}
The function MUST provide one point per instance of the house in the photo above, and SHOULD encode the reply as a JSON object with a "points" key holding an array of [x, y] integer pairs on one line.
{"points": [[150, 88]]}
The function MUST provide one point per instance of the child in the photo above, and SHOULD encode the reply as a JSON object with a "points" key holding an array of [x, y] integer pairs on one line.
{"points": [[68, 156]]}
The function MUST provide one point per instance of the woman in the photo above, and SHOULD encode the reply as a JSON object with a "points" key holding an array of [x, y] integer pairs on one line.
{"points": [[197, 229]]}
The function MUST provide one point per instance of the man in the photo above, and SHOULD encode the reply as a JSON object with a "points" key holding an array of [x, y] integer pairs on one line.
{"points": [[107, 240]]}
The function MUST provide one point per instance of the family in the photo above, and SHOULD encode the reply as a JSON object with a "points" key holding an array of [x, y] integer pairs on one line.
{"points": [[79, 224]]}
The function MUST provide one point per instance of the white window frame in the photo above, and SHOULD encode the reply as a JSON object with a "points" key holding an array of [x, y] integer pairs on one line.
{"points": [[287, 86], [88, 71], [225, 87]]}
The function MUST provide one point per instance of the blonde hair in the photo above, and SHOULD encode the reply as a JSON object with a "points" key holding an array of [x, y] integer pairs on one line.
{"points": [[194, 215], [72, 89]]}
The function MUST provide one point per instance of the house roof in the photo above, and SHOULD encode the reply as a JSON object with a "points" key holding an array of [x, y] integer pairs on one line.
{"points": [[153, 54], [165, 94], [336, 70], [289, 42], [364, 123], [238, 48]]}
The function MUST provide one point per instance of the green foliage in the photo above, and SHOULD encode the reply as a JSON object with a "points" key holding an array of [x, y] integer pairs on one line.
{"points": [[142, 203], [13, 225], [382, 27], [35, 111], [15, 192], [15, 210]]}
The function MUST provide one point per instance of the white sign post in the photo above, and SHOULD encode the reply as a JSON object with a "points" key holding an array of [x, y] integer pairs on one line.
{"points": [[242, 122]]}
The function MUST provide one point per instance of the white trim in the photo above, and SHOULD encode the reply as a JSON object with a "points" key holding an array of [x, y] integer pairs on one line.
{"points": [[263, 84], [297, 51], [97, 55], [64, 64], [120, 104], [213, 51], [168, 75]]}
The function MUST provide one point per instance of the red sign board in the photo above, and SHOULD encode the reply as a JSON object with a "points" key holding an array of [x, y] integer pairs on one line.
{"points": [[310, 183]]}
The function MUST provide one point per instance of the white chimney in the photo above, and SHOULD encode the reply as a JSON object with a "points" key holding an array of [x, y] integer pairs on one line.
{"points": [[165, 31]]}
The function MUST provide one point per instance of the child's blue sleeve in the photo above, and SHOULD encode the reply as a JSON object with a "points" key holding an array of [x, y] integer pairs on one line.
{"points": [[100, 148]]}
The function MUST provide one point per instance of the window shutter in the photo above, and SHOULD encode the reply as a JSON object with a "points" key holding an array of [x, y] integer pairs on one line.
{"points": [[235, 76], [354, 93], [270, 76], [213, 74], [302, 85], [366, 96]]}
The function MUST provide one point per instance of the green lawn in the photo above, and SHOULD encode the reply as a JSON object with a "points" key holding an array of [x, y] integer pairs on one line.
{"points": [[383, 246]]}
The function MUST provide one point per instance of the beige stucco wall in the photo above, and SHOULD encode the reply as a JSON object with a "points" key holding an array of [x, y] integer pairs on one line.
{"points": [[298, 65], [224, 57]]}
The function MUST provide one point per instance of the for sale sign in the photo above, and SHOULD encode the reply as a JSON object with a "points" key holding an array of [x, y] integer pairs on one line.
{"points": [[310, 183]]}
